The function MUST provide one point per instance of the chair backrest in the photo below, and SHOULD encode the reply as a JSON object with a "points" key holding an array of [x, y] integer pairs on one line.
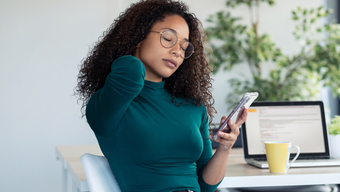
{"points": [[98, 174]]}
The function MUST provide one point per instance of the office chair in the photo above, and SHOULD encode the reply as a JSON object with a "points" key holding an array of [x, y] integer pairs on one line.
{"points": [[98, 174]]}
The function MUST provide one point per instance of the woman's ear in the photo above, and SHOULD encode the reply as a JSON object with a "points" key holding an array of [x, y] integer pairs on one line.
{"points": [[136, 52], [138, 45]]}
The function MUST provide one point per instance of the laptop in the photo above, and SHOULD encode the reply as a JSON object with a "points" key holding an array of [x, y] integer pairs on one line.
{"points": [[301, 122]]}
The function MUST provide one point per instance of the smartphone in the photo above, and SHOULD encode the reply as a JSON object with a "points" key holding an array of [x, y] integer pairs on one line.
{"points": [[247, 99]]}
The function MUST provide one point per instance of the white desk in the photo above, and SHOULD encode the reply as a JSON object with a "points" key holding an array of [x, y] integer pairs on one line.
{"points": [[72, 170], [238, 174]]}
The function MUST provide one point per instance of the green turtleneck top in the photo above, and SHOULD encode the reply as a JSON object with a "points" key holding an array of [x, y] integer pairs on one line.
{"points": [[151, 144]]}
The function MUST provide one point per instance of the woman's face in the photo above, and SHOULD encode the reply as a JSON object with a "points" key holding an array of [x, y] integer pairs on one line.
{"points": [[161, 62]]}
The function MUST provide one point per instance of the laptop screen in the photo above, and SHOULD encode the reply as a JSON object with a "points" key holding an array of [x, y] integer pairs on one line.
{"points": [[302, 123]]}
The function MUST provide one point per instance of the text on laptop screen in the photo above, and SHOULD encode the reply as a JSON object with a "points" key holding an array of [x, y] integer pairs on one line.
{"points": [[302, 125]]}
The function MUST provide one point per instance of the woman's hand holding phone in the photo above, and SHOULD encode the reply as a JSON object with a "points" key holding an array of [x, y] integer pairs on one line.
{"points": [[247, 99], [227, 140], [229, 130]]}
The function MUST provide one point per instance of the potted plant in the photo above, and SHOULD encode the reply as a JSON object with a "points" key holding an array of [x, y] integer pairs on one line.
{"points": [[294, 77], [334, 136]]}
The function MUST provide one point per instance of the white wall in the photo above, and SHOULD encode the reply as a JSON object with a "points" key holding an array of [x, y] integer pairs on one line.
{"points": [[42, 44]]}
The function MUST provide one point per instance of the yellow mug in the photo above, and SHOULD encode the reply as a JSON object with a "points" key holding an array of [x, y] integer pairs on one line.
{"points": [[278, 156]]}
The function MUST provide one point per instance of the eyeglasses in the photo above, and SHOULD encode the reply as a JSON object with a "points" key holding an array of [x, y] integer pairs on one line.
{"points": [[169, 39]]}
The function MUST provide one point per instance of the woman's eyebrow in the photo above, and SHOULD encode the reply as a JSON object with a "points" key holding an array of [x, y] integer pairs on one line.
{"points": [[175, 32]]}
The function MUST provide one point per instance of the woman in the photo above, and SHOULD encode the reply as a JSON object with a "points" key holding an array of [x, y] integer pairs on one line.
{"points": [[145, 87]]}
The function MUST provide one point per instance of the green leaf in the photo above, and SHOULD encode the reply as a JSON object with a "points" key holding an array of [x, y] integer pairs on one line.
{"points": [[328, 11], [334, 127], [233, 43], [271, 2]]}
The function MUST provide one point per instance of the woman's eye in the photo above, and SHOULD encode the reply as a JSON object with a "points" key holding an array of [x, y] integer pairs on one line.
{"points": [[184, 46], [167, 39]]}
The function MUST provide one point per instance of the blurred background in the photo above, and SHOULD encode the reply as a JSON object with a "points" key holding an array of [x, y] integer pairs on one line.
{"points": [[42, 45]]}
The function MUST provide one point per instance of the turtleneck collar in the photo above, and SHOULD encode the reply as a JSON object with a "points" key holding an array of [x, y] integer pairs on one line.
{"points": [[154, 88]]}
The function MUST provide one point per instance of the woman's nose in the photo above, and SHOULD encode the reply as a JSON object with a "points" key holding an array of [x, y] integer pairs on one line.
{"points": [[176, 49]]}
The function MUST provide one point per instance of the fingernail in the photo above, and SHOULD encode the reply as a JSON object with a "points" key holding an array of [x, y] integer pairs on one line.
{"points": [[220, 134], [231, 122]]}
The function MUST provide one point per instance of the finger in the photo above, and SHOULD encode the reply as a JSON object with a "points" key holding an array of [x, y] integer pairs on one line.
{"points": [[234, 127], [223, 119], [242, 117], [225, 136], [241, 112]]}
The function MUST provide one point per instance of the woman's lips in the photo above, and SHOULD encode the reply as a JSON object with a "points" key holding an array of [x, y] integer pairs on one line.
{"points": [[171, 63]]}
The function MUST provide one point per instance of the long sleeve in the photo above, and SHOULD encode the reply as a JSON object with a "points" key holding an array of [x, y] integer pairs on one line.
{"points": [[205, 157], [140, 131], [107, 106]]}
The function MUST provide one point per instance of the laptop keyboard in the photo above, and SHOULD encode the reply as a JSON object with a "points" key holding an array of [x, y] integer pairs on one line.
{"points": [[300, 158], [260, 159], [313, 157]]}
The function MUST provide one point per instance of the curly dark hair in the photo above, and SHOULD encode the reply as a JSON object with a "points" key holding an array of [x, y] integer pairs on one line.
{"points": [[191, 80]]}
